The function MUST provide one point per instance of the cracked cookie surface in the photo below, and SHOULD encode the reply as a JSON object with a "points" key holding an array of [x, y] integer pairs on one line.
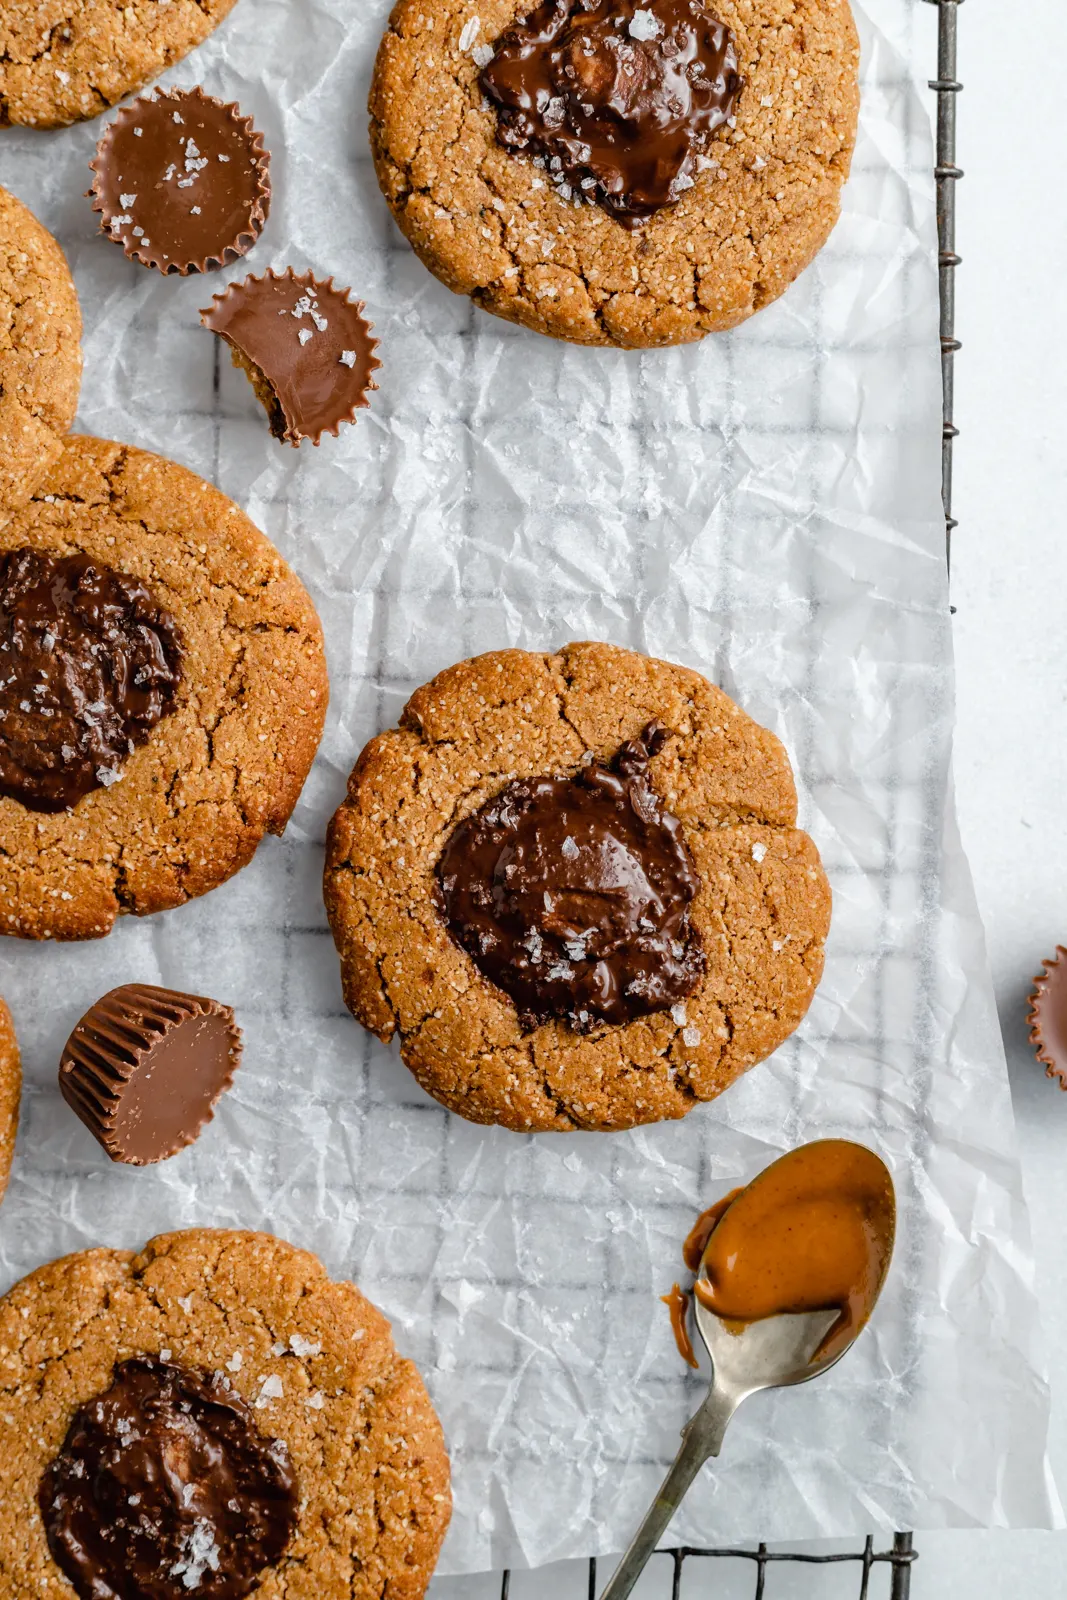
{"points": [[227, 764], [313, 1359], [64, 61], [40, 351], [488, 224], [10, 1093], [762, 909]]}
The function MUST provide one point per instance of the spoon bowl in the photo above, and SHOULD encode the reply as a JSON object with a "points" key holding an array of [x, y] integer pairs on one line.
{"points": [[774, 1353]]}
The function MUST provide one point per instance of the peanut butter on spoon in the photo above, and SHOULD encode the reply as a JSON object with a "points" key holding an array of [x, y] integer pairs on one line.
{"points": [[813, 1231]]}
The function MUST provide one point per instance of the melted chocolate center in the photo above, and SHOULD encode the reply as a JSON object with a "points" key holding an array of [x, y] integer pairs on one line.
{"points": [[573, 894], [165, 1488], [89, 663], [618, 100]]}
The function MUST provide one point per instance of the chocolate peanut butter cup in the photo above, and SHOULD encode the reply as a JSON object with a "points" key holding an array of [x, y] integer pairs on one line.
{"points": [[306, 347], [181, 181], [145, 1067], [1047, 1016]]}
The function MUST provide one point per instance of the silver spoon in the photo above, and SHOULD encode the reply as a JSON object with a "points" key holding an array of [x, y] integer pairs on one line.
{"points": [[770, 1354]]}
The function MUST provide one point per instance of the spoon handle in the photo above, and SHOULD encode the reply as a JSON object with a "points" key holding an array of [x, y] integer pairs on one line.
{"points": [[701, 1437]]}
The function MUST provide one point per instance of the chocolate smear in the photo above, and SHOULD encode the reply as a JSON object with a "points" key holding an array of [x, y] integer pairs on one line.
{"points": [[573, 894], [617, 101], [89, 664], [165, 1488]]}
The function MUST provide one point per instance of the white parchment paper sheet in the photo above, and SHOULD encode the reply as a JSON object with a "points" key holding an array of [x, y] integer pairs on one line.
{"points": [[763, 507]]}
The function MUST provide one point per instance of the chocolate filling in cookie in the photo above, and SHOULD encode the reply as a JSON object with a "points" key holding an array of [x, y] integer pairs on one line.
{"points": [[89, 663], [164, 1487], [573, 894], [617, 101]]}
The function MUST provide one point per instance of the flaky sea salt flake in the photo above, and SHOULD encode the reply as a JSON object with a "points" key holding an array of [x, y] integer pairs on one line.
{"points": [[469, 33], [270, 1389], [199, 1554], [304, 1347], [644, 25]]}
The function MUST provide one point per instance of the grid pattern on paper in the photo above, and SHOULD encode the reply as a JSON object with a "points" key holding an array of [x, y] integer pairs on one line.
{"points": [[763, 507]]}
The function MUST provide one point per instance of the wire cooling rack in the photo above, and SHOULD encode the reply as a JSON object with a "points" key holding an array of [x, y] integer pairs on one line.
{"points": [[897, 1561]]}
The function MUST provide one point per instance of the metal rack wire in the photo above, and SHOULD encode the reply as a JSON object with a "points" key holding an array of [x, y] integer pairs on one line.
{"points": [[897, 1561]]}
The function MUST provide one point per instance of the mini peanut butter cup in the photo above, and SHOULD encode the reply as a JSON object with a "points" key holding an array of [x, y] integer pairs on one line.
{"points": [[1047, 1016], [306, 347], [145, 1067], [181, 181]]}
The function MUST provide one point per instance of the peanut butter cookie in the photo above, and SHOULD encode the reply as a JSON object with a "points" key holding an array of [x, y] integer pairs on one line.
{"points": [[213, 1416], [10, 1092], [64, 61], [162, 688], [616, 173], [40, 351], [573, 885]]}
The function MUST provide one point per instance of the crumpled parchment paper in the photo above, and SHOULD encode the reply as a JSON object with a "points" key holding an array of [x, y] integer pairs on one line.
{"points": [[764, 507]]}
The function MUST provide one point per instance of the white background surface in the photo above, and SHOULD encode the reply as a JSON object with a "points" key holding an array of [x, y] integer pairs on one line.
{"points": [[1009, 587], [1010, 571]]}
